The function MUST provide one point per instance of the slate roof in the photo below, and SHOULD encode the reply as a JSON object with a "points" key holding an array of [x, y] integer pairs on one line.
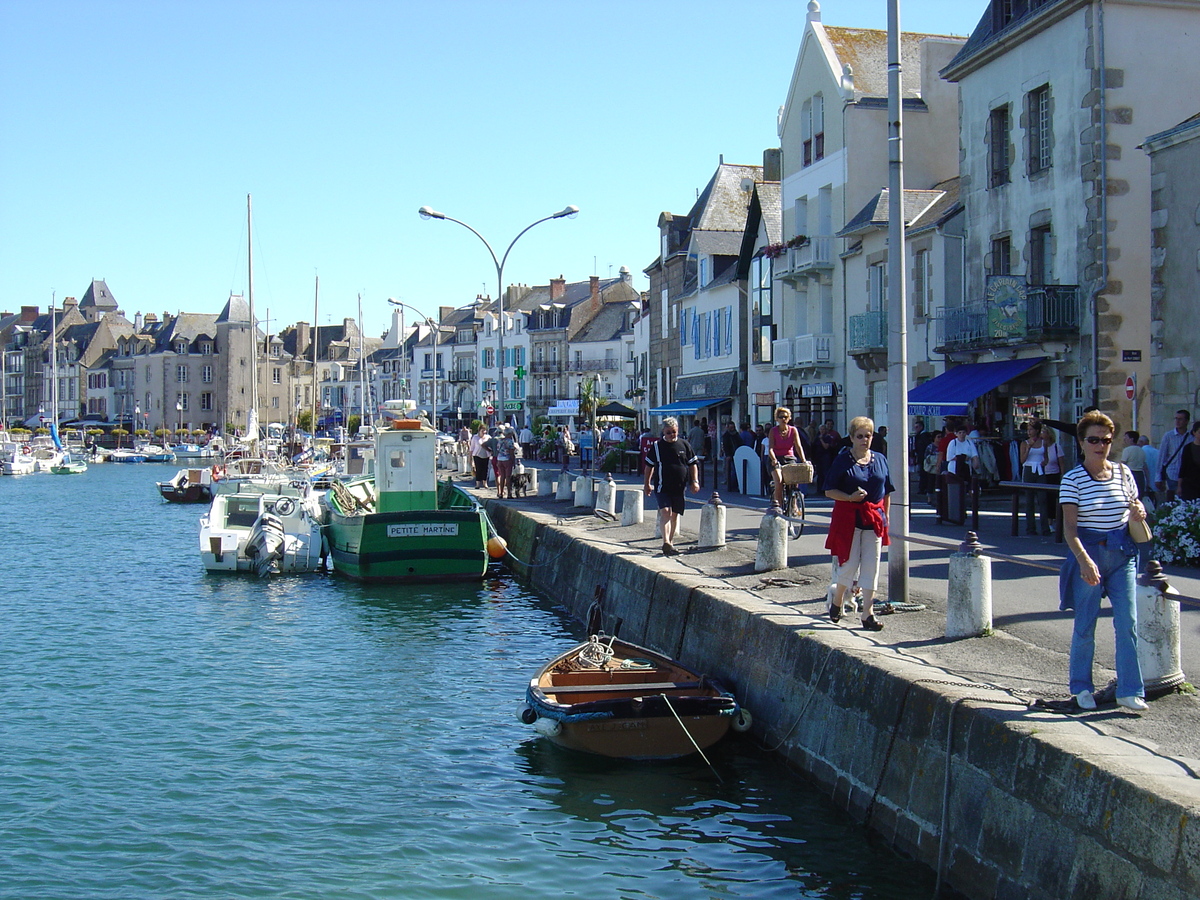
{"points": [[770, 201], [989, 31], [236, 311], [607, 325], [941, 209], [865, 50], [878, 210], [99, 296]]}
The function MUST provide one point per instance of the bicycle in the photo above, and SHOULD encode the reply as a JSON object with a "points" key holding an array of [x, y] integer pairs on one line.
{"points": [[794, 476]]}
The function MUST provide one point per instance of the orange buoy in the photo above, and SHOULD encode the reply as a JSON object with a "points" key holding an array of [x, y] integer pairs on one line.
{"points": [[497, 547]]}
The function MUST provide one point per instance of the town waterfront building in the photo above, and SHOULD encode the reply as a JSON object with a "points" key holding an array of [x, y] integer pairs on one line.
{"points": [[1055, 99]]}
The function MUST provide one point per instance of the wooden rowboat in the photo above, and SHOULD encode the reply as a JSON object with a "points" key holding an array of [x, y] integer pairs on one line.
{"points": [[613, 698]]}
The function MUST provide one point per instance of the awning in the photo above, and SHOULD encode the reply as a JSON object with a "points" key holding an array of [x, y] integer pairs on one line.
{"points": [[687, 407], [950, 392], [613, 408]]}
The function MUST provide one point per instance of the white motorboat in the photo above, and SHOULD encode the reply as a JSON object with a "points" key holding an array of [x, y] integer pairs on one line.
{"points": [[16, 460], [265, 528], [193, 451]]}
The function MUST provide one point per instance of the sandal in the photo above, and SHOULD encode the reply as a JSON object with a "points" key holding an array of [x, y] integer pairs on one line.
{"points": [[870, 623], [835, 614]]}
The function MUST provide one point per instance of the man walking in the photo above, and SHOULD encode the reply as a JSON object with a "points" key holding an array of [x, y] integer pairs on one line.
{"points": [[1170, 455], [670, 469]]}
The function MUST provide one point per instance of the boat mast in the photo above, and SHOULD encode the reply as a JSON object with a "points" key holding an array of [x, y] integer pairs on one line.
{"points": [[362, 370], [252, 419], [316, 402], [53, 371]]}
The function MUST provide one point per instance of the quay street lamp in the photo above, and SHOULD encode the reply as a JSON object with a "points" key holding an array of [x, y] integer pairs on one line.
{"points": [[433, 416], [569, 212]]}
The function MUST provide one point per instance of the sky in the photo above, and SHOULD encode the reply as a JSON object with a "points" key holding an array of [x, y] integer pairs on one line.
{"points": [[131, 133]]}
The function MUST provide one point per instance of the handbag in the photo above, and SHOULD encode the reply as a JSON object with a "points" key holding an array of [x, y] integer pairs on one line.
{"points": [[1139, 530]]}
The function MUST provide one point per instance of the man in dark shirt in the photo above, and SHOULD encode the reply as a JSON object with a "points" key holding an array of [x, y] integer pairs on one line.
{"points": [[670, 469], [730, 441]]}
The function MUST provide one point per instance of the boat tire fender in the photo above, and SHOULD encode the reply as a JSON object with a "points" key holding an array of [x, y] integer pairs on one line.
{"points": [[527, 714], [742, 721]]}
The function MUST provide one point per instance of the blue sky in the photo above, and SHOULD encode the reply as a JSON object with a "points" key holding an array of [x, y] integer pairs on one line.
{"points": [[132, 132]]}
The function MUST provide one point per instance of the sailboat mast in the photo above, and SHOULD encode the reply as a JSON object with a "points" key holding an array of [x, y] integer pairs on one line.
{"points": [[253, 324], [53, 367], [362, 371], [316, 401]]}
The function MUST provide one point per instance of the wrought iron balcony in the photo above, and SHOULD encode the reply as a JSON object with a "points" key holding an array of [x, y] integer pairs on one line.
{"points": [[542, 367], [868, 333], [463, 375], [593, 365], [1048, 312]]}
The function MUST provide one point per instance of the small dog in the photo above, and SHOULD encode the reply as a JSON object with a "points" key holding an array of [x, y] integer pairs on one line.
{"points": [[519, 484]]}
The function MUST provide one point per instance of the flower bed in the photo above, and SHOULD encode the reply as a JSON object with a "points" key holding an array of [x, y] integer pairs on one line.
{"points": [[1177, 532]]}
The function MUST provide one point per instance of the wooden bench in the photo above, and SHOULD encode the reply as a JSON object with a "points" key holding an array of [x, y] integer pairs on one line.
{"points": [[1018, 488], [650, 687]]}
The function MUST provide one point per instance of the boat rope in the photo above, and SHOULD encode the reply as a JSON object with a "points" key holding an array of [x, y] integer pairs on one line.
{"points": [[596, 654], [493, 530], [690, 738]]}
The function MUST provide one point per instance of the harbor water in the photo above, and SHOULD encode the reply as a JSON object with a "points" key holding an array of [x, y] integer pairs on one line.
{"points": [[172, 734]]}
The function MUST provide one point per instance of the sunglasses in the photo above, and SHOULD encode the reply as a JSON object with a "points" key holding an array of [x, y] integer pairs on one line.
{"points": [[1098, 440]]}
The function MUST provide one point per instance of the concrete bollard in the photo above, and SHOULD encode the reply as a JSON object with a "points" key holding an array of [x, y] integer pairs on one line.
{"points": [[969, 591], [712, 523], [565, 491], [606, 497], [464, 464], [632, 507], [772, 552], [532, 486], [545, 486], [1158, 632], [584, 495]]}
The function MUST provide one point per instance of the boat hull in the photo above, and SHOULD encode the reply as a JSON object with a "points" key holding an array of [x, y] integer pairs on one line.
{"points": [[657, 709], [409, 545]]}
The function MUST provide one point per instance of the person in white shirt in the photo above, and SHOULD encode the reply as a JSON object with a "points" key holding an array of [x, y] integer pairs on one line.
{"points": [[1170, 455], [961, 445]]}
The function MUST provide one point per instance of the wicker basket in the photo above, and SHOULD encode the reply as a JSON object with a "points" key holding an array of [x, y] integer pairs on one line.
{"points": [[798, 473]]}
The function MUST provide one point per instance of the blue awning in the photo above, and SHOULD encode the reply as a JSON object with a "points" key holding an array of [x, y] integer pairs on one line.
{"points": [[687, 407], [950, 392]]}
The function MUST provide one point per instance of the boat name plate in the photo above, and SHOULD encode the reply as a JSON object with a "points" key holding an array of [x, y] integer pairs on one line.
{"points": [[423, 529]]}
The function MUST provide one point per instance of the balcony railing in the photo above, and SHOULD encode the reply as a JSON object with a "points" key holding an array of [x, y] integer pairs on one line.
{"points": [[809, 258], [1048, 312], [594, 365], [542, 367], [463, 375], [813, 351], [807, 351], [868, 332]]}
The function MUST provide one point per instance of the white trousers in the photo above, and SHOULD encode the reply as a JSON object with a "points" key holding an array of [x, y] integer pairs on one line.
{"points": [[863, 563]]}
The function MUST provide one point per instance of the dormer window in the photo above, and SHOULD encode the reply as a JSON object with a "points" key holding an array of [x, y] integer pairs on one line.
{"points": [[181, 346], [206, 348]]}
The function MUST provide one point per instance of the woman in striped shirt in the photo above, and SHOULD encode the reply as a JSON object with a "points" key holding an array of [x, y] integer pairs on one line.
{"points": [[1098, 497]]}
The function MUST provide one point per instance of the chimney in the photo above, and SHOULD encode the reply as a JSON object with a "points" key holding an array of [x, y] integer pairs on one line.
{"points": [[137, 322], [626, 275], [772, 164], [151, 319], [302, 338], [28, 314], [558, 287], [69, 301]]}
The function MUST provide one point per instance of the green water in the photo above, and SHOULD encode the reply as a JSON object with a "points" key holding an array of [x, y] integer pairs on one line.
{"points": [[170, 734]]}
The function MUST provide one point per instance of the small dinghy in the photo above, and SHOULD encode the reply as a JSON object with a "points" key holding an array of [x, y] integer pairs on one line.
{"points": [[613, 698]]}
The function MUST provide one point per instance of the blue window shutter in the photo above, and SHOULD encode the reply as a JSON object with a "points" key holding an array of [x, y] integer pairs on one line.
{"points": [[729, 331]]}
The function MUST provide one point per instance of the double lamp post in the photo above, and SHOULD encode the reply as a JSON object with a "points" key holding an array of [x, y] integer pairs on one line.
{"points": [[426, 213]]}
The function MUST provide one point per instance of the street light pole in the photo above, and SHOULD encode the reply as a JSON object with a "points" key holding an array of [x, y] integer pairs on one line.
{"points": [[569, 212], [434, 329]]}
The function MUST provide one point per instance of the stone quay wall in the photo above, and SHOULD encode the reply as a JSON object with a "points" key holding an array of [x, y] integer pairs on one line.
{"points": [[1023, 815]]}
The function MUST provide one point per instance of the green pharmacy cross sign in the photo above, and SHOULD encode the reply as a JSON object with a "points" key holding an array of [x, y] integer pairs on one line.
{"points": [[519, 373]]}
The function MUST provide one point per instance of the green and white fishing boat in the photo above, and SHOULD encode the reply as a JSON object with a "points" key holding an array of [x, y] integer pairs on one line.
{"points": [[398, 523]]}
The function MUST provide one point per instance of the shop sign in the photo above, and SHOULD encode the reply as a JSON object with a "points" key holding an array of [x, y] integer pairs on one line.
{"points": [[820, 389]]}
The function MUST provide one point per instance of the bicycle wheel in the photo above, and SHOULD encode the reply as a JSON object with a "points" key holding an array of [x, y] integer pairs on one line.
{"points": [[794, 510]]}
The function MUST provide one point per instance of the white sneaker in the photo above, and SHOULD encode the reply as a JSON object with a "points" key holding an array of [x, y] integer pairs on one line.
{"points": [[1085, 700], [1133, 703]]}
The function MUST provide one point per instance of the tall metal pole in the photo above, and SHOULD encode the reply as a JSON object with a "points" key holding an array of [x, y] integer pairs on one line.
{"points": [[897, 322], [569, 212], [316, 403]]}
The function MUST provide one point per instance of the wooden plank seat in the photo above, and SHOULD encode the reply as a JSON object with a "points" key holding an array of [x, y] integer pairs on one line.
{"points": [[650, 687]]}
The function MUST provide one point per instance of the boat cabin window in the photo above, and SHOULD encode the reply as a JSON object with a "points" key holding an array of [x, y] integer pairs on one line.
{"points": [[398, 459], [242, 512]]}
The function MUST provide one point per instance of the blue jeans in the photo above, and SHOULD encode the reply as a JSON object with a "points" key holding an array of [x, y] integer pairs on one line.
{"points": [[1115, 556]]}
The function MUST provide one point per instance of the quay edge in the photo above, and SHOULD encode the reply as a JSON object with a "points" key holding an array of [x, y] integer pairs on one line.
{"points": [[1038, 806]]}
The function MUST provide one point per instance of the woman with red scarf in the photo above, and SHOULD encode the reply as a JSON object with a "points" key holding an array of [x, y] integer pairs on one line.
{"points": [[860, 488]]}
